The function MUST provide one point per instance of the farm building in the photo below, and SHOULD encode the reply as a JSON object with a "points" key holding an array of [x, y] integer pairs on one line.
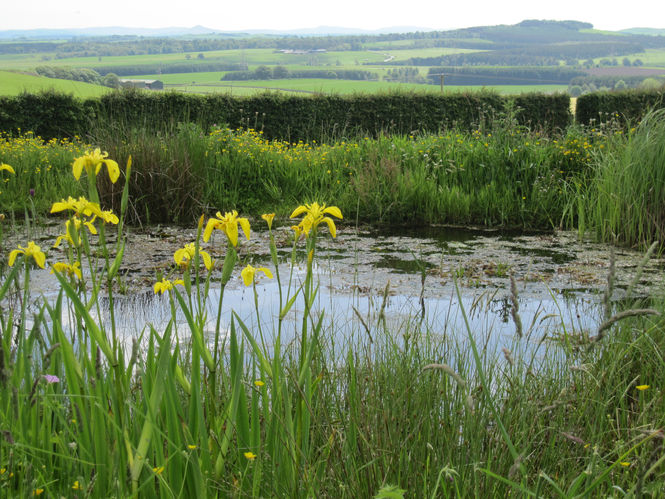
{"points": [[149, 84]]}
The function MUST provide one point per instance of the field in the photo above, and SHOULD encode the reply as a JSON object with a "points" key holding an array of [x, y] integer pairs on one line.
{"points": [[12, 83], [315, 86]]}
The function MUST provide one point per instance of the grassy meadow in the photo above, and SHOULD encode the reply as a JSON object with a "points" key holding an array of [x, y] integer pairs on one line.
{"points": [[196, 409], [13, 83]]}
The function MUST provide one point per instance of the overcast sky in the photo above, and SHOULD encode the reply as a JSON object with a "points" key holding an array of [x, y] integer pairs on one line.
{"points": [[232, 15]]}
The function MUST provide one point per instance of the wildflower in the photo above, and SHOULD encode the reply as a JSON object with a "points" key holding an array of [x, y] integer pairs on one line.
{"points": [[32, 250], [80, 206], [250, 455], [259, 383], [248, 274], [109, 217], [76, 486], [314, 215], [158, 470], [70, 270], [185, 255], [72, 228], [625, 464], [165, 285], [7, 168], [268, 218], [227, 223], [191, 447], [92, 162], [50, 378], [642, 387], [38, 492]]}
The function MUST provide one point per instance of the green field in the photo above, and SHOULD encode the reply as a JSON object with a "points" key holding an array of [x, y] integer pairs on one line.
{"points": [[342, 86], [15, 83]]}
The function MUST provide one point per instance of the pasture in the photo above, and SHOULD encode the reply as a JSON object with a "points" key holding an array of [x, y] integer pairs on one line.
{"points": [[13, 83]]}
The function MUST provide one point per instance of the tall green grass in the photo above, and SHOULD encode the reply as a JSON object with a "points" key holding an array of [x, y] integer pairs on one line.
{"points": [[504, 175], [625, 198]]}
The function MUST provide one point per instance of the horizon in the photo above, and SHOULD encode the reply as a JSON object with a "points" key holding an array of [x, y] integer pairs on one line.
{"points": [[298, 15]]}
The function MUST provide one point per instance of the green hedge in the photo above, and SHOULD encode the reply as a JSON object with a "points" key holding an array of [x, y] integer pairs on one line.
{"points": [[279, 116], [628, 106]]}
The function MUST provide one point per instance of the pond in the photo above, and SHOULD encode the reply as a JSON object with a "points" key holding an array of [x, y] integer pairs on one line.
{"points": [[560, 280]]}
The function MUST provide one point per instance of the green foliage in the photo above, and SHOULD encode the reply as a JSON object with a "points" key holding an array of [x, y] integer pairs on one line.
{"points": [[48, 114], [627, 106], [625, 198], [290, 118]]}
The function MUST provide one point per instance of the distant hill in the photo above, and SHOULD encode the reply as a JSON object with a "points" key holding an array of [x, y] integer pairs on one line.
{"points": [[644, 31], [55, 34]]}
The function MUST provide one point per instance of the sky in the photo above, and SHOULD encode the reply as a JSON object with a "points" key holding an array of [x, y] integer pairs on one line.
{"points": [[238, 15]]}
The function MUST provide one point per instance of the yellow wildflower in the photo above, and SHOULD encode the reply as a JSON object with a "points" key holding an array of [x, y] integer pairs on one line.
{"points": [[70, 270], [642, 387], [268, 218], [73, 228], [250, 455], [38, 492], [92, 162], [165, 285], [248, 274], [227, 223], [76, 486], [191, 447], [109, 217], [314, 215], [259, 383], [185, 255], [158, 470], [31, 250], [7, 168], [80, 206]]}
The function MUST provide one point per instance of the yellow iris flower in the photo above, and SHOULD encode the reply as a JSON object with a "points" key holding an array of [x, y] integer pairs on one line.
{"points": [[80, 206], [73, 226], [165, 285], [268, 218], [7, 168], [227, 223], [31, 250], [185, 255], [249, 273], [92, 162], [314, 215], [70, 270]]}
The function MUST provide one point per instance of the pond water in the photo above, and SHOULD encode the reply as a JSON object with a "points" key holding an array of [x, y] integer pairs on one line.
{"points": [[560, 280]]}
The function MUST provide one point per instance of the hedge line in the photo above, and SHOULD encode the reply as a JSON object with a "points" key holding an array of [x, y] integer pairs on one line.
{"points": [[627, 106], [280, 116]]}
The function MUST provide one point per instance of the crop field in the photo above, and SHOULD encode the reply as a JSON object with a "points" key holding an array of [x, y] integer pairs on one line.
{"points": [[344, 87], [15, 83]]}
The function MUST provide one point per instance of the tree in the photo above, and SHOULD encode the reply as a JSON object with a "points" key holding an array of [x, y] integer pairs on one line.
{"points": [[111, 80], [575, 91], [620, 85], [650, 84], [280, 72], [262, 73]]}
